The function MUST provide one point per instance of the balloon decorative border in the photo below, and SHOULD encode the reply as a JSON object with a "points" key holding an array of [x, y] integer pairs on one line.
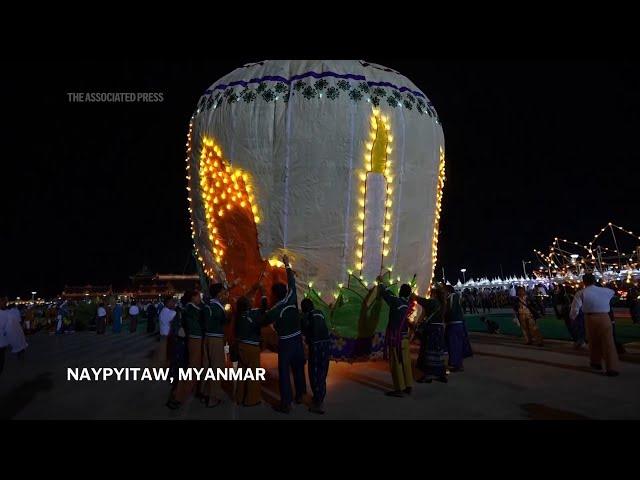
{"points": [[313, 86]]}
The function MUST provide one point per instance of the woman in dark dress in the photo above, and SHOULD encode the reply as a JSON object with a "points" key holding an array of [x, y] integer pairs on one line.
{"points": [[431, 334], [455, 333]]}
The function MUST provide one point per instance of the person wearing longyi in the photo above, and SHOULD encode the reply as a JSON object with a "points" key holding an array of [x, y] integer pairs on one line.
{"points": [[456, 336], [101, 319], [247, 333], [595, 302], [316, 333], [286, 319], [527, 312], [192, 323], [215, 318], [397, 338], [134, 312], [433, 347], [167, 315]]}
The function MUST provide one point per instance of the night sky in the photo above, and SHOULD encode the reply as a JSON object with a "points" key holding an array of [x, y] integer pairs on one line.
{"points": [[91, 192]]}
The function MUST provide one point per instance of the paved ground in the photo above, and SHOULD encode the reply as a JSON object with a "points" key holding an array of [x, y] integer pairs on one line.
{"points": [[504, 380]]}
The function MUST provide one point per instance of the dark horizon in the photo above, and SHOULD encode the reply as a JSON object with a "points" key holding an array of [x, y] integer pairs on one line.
{"points": [[534, 150]]}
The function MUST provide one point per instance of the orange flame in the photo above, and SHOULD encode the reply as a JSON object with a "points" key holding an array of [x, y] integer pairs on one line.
{"points": [[232, 214]]}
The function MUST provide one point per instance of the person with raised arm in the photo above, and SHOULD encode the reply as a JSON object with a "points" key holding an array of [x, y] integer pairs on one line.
{"points": [[285, 317], [397, 338]]}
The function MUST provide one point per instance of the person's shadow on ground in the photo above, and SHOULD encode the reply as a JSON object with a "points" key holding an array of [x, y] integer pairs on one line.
{"points": [[536, 411], [18, 398]]}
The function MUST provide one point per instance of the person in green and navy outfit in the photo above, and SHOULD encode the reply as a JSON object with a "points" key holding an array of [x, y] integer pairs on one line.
{"points": [[192, 323], [316, 333], [286, 319], [247, 333], [214, 318]]}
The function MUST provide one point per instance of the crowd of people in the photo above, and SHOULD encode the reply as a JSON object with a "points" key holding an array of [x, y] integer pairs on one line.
{"points": [[195, 337], [530, 304], [202, 331], [486, 299], [194, 334], [441, 331], [67, 316], [588, 313]]}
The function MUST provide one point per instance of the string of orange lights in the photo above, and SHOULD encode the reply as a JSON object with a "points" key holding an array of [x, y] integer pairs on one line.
{"points": [[564, 260], [223, 188]]}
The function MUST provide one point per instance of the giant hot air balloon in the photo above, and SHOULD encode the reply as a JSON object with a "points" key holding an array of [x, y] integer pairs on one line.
{"points": [[339, 164]]}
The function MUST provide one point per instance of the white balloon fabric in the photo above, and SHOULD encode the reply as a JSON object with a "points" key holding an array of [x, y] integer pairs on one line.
{"points": [[346, 161]]}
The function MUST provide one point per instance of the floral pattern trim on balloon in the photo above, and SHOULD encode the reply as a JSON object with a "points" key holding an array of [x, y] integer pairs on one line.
{"points": [[324, 88]]}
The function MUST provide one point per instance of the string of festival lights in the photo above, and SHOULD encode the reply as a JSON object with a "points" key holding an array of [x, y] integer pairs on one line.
{"points": [[222, 188], [563, 260]]}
